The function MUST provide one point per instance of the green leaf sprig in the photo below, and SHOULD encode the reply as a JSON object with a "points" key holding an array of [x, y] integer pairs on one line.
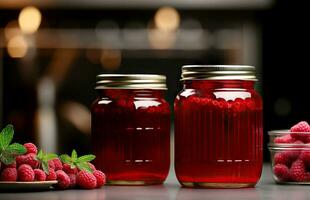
{"points": [[43, 159], [8, 151], [79, 162]]}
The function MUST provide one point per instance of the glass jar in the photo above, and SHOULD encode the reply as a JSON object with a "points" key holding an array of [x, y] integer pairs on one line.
{"points": [[131, 129], [218, 127]]}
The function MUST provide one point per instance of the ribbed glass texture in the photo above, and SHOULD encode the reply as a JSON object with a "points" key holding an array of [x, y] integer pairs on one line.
{"points": [[218, 134]]}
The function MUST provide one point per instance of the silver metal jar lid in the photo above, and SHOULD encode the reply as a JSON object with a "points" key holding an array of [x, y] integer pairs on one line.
{"points": [[218, 72], [131, 81]]}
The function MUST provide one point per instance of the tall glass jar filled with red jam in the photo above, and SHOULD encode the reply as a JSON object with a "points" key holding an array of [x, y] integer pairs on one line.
{"points": [[131, 128], [218, 127]]}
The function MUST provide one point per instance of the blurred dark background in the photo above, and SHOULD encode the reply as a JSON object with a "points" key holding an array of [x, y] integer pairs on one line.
{"points": [[51, 51]]}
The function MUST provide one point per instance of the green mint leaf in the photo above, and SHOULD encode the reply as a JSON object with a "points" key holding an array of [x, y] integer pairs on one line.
{"points": [[45, 167], [74, 155], [50, 156], [84, 166], [86, 158], [6, 136], [7, 159], [16, 149], [65, 159], [40, 155]]}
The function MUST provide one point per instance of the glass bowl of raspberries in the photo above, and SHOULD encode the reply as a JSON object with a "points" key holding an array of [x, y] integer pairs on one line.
{"points": [[290, 154]]}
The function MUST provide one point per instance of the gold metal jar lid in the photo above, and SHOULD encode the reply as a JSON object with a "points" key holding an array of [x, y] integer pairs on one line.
{"points": [[131, 81], [218, 72]]}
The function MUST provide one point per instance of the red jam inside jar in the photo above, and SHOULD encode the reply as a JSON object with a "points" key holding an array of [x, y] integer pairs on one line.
{"points": [[131, 129], [218, 128]]}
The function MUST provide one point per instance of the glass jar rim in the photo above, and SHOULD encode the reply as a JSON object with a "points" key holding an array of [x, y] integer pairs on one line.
{"points": [[218, 72], [131, 81]]}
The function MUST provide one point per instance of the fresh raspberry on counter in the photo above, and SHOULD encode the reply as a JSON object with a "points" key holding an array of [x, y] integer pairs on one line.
{"points": [[100, 177], [8, 174], [307, 176], [72, 180], [51, 164], [51, 175], [39, 175], [63, 180], [67, 168], [282, 172], [25, 173], [29, 159], [12, 165], [86, 180], [31, 148], [284, 139], [298, 171], [93, 168], [58, 164]]}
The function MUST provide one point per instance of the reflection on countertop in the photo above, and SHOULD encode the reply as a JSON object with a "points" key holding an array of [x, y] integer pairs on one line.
{"points": [[265, 189]]}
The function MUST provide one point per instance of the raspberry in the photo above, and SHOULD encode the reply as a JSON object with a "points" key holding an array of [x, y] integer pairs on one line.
{"points": [[302, 126], [52, 175], [304, 137], [86, 180], [93, 168], [286, 157], [58, 164], [300, 131], [284, 139], [305, 157], [63, 180], [100, 177], [39, 175], [307, 176], [29, 159], [25, 173], [51, 164], [67, 168], [222, 104], [239, 105], [72, 180], [31, 148], [298, 171], [12, 165], [8, 174], [282, 172], [250, 103]]}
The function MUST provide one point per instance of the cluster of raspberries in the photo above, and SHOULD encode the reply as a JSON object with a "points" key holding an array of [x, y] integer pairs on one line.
{"points": [[27, 168], [293, 165], [237, 105]]}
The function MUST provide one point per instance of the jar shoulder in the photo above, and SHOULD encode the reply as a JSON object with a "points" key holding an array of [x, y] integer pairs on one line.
{"points": [[106, 104], [215, 96]]}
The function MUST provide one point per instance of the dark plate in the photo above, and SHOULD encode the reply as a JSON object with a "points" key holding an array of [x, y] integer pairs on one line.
{"points": [[26, 186]]}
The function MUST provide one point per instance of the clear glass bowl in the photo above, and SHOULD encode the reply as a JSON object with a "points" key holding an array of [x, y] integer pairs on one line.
{"points": [[290, 156]]}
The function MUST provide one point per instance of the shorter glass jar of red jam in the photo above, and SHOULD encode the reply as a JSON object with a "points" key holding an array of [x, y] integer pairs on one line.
{"points": [[218, 127], [131, 128]]}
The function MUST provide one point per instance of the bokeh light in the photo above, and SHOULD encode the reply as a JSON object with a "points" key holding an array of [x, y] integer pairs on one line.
{"points": [[29, 19], [12, 29], [167, 19], [17, 46], [111, 59]]}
